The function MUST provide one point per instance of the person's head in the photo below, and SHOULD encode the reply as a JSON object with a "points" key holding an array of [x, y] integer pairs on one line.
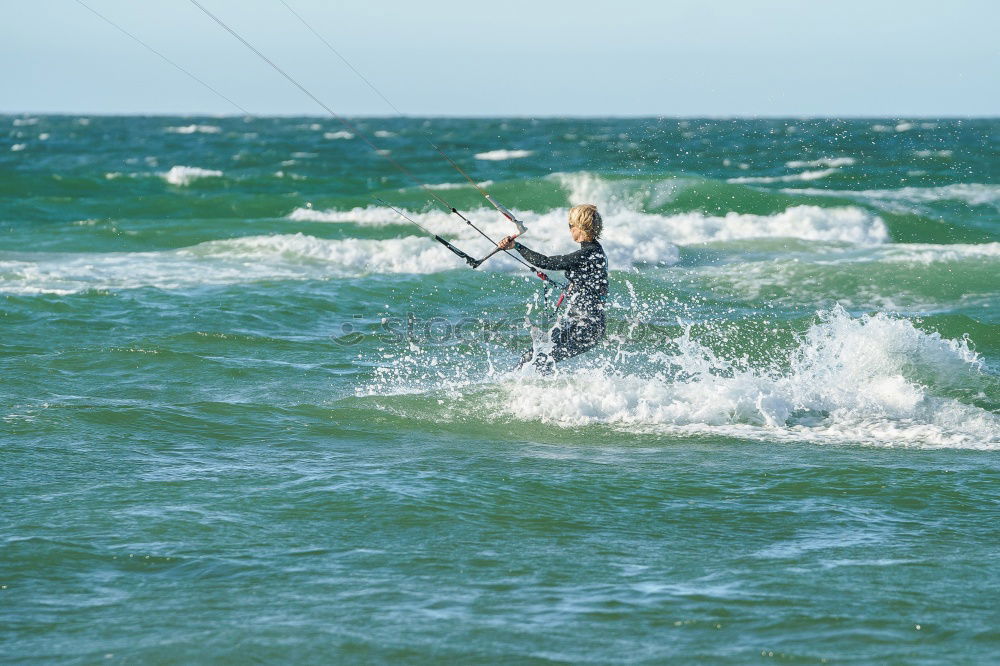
{"points": [[585, 223]]}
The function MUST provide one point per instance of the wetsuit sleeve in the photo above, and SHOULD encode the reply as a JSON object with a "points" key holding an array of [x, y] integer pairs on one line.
{"points": [[562, 262]]}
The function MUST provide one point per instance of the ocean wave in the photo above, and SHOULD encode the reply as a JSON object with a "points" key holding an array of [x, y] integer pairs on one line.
{"points": [[874, 379], [632, 236], [903, 277], [339, 134], [925, 253], [850, 379], [805, 175], [350, 256], [975, 194], [194, 129], [831, 162], [620, 193], [902, 126], [455, 186], [630, 239], [221, 262], [185, 175], [495, 155]]}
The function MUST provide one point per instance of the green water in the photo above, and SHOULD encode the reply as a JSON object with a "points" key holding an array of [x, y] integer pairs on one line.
{"points": [[250, 414]]}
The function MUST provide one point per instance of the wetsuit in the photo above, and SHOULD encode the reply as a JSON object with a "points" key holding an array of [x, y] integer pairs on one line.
{"points": [[582, 325]]}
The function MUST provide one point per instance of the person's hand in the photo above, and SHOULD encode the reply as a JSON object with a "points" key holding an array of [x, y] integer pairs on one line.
{"points": [[506, 243]]}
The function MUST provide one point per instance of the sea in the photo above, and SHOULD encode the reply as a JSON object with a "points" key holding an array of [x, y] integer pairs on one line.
{"points": [[252, 412]]}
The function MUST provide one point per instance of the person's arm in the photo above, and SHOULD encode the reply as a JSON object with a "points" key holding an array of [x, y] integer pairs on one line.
{"points": [[561, 262]]}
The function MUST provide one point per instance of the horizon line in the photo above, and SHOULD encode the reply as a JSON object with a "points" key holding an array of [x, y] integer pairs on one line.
{"points": [[545, 116]]}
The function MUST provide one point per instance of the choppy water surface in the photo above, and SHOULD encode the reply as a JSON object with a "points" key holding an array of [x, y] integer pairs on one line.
{"points": [[248, 413]]}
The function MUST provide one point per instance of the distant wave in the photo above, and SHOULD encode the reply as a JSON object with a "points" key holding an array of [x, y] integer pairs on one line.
{"points": [[831, 162], [455, 186], [976, 194], [185, 175], [636, 237], [805, 175], [495, 155], [631, 239], [194, 129]]}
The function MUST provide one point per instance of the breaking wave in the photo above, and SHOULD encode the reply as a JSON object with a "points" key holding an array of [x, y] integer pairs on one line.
{"points": [[185, 175], [975, 194], [496, 155], [874, 379], [830, 162], [805, 175], [642, 237], [194, 129]]}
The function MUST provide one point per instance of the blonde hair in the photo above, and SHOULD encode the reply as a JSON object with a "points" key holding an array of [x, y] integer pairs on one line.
{"points": [[586, 218]]}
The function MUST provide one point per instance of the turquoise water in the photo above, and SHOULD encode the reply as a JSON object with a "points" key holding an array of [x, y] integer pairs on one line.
{"points": [[250, 414]]}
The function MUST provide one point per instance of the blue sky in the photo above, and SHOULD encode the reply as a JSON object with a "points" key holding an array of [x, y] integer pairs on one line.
{"points": [[516, 57]]}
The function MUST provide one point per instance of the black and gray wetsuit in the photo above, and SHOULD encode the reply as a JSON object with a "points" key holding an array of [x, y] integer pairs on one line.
{"points": [[582, 325]]}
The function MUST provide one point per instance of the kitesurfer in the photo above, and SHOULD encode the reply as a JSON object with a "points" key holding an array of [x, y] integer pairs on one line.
{"points": [[582, 324]]}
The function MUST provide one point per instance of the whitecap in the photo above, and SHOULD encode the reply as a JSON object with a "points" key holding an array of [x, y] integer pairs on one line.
{"points": [[976, 194], [803, 176], [875, 380], [848, 380], [194, 129], [631, 237], [185, 175], [455, 186], [501, 154], [831, 162]]}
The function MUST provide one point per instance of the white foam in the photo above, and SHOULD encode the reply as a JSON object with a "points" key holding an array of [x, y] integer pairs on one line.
{"points": [[185, 175], [340, 134], [926, 253], [18, 147], [933, 153], [384, 134], [194, 129], [620, 200], [831, 162], [632, 238], [455, 186], [24, 122], [904, 127], [849, 380], [620, 194], [805, 175], [854, 276], [976, 194], [501, 154], [231, 261], [349, 256]]}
